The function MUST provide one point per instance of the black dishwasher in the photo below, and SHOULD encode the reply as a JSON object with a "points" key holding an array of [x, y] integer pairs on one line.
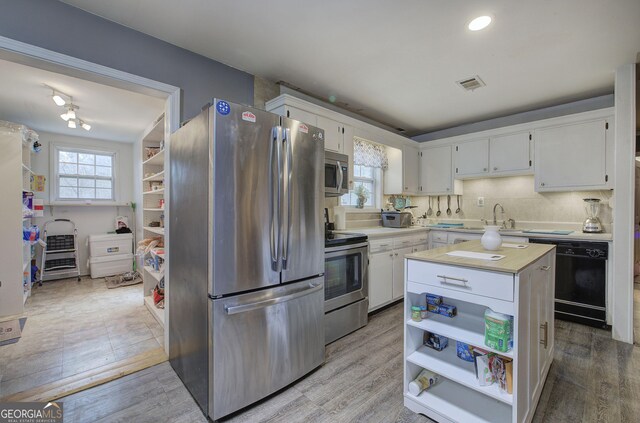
{"points": [[581, 281]]}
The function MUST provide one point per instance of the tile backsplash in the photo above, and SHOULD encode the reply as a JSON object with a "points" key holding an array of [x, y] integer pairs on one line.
{"points": [[520, 202], [516, 195]]}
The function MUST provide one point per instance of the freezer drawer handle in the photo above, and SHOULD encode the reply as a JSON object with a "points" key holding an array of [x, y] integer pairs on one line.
{"points": [[445, 280], [272, 301]]}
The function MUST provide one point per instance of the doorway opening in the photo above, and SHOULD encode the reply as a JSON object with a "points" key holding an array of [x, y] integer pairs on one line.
{"points": [[77, 332]]}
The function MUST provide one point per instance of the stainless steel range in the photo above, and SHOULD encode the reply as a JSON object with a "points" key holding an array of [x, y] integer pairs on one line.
{"points": [[346, 290]]}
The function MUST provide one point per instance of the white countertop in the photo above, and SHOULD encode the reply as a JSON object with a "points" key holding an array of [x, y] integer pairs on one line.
{"points": [[381, 232]]}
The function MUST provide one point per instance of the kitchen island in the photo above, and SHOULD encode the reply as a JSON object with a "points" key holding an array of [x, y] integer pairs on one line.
{"points": [[520, 284]]}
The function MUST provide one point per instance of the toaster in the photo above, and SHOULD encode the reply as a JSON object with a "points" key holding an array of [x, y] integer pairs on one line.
{"points": [[394, 219]]}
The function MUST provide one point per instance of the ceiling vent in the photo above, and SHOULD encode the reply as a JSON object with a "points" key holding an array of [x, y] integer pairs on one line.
{"points": [[470, 84]]}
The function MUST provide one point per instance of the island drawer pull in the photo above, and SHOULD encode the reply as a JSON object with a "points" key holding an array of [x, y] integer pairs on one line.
{"points": [[446, 279]]}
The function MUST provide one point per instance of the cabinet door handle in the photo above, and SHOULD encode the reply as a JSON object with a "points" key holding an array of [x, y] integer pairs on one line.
{"points": [[545, 331], [396, 254], [541, 184], [545, 268], [495, 168], [391, 255], [445, 280], [484, 169]]}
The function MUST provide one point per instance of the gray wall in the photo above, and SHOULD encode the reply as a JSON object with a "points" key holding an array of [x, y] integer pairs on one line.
{"points": [[530, 116], [51, 25]]}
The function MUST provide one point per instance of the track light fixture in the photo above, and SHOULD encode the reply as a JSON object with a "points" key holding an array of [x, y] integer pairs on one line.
{"points": [[70, 116]]}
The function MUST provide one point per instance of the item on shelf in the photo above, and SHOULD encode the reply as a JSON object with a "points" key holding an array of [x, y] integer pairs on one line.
{"points": [[423, 311], [162, 144], [425, 380], [27, 204], [464, 351], [31, 234], [156, 185], [154, 224], [443, 309], [502, 369], [162, 220], [38, 207], [435, 341], [158, 296], [483, 369], [498, 330], [151, 151], [416, 314], [38, 183], [434, 299], [161, 203], [477, 352]]}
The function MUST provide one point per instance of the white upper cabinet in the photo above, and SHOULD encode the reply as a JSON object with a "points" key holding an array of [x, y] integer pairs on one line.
{"points": [[510, 154], [436, 172], [572, 156], [410, 169], [301, 115], [333, 134], [472, 158]]}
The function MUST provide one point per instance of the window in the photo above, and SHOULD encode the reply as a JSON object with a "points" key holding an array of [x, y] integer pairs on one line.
{"points": [[370, 178], [84, 175]]}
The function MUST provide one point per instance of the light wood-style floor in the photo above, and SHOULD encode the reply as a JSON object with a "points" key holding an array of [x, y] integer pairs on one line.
{"points": [[73, 327], [592, 379]]}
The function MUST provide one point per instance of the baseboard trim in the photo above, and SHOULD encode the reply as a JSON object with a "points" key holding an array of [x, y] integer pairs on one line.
{"points": [[85, 380]]}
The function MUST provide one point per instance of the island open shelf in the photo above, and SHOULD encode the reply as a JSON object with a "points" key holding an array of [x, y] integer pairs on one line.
{"points": [[522, 287]]}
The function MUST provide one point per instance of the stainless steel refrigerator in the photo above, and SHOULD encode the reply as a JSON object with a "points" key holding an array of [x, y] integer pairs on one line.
{"points": [[246, 294]]}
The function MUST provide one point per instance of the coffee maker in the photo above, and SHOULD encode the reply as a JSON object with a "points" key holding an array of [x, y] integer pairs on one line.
{"points": [[592, 224]]}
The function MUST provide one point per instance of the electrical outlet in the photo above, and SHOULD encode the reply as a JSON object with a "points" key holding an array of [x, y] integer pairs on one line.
{"points": [[480, 202]]}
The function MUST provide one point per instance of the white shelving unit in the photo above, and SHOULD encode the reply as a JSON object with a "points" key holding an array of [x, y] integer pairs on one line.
{"points": [[16, 143], [153, 206], [458, 396]]}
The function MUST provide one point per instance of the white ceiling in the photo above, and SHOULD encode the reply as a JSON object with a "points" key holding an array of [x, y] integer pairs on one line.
{"points": [[113, 113], [398, 61]]}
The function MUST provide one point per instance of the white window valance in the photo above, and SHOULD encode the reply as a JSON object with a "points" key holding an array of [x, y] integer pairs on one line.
{"points": [[366, 153]]}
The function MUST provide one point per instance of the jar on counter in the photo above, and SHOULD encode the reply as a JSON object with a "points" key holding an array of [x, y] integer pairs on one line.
{"points": [[416, 314]]}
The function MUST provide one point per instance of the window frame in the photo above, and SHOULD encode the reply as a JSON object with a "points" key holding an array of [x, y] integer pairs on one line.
{"points": [[378, 181], [55, 177]]}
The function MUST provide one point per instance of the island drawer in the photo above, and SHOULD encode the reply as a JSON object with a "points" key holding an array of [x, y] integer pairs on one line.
{"points": [[462, 279], [378, 245]]}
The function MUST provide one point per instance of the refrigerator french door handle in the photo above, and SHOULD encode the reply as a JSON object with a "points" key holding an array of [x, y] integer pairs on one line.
{"points": [[340, 177], [271, 301], [286, 135], [275, 158]]}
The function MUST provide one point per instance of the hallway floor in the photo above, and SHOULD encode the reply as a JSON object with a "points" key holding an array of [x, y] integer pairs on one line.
{"points": [[73, 327]]}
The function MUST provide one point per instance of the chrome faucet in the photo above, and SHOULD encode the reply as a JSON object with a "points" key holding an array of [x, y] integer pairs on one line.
{"points": [[495, 221]]}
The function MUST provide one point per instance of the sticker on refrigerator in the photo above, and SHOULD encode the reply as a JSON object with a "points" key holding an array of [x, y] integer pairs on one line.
{"points": [[303, 128], [223, 108], [249, 117]]}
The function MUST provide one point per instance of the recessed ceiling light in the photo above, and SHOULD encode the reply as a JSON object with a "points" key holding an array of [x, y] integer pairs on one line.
{"points": [[481, 22]]}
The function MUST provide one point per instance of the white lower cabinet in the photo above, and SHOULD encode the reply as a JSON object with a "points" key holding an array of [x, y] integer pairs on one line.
{"points": [[457, 396], [386, 267]]}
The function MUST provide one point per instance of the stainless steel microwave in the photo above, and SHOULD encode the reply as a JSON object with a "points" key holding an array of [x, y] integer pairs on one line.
{"points": [[336, 174]]}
